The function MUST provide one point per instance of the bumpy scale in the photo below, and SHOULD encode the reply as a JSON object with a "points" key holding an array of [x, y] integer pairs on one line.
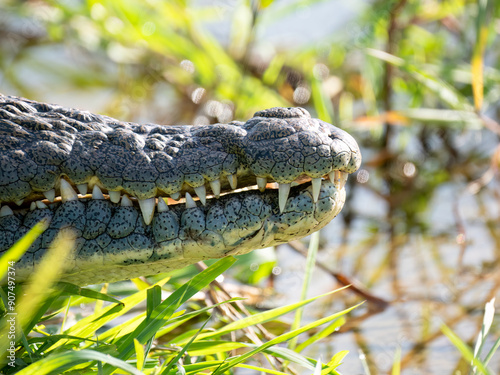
{"points": [[125, 228]]}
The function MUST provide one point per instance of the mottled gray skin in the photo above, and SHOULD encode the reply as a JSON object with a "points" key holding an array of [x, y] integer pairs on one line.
{"points": [[40, 143]]}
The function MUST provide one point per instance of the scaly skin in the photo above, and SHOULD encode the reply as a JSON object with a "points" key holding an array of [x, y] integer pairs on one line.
{"points": [[40, 144]]}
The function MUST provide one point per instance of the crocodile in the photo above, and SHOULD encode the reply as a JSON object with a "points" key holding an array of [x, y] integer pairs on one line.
{"points": [[144, 198]]}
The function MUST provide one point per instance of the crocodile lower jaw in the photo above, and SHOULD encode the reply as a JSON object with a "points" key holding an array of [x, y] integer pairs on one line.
{"points": [[68, 192]]}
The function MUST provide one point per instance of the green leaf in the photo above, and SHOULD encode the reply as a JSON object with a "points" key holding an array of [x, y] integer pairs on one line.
{"points": [[74, 290], [162, 312], [183, 350], [309, 271], [325, 332], [262, 317], [87, 326], [464, 349], [59, 362], [336, 360], [139, 354], [21, 246], [282, 338]]}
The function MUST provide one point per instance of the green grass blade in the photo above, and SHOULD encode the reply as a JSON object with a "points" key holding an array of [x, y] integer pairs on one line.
{"points": [[59, 362], [491, 352], [21, 246], [160, 315], [263, 317], [327, 331], [184, 317], [184, 348], [262, 370], [87, 326], [75, 290], [309, 270], [280, 339], [336, 360], [467, 353], [139, 354], [213, 347], [36, 295]]}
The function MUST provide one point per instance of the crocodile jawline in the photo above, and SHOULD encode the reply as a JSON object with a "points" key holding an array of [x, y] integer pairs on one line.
{"points": [[124, 171]]}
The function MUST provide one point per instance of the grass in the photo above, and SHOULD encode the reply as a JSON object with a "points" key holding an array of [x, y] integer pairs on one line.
{"points": [[146, 333], [172, 335]]}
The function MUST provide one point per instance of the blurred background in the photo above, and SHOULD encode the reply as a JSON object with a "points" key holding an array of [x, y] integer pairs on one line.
{"points": [[416, 82]]}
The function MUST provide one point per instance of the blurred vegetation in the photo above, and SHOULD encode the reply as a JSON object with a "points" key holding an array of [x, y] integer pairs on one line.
{"points": [[417, 82]]}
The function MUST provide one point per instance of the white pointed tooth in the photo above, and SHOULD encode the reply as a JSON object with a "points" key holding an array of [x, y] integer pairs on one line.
{"points": [[32, 206], [20, 202], [341, 177], [338, 178], [67, 192], [50, 195], [126, 202], [175, 196], [284, 190], [40, 204], [331, 175], [190, 203], [261, 183], [114, 196], [97, 193], [215, 186], [6, 211], [148, 209], [201, 192], [316, 185], [82, 189], [233, 180], [162, 205]]}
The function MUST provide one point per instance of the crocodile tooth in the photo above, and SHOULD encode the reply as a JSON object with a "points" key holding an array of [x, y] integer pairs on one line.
{"points": [[40, 204], [284, 189], [215, 185], [331, 175], [261, 183], [175, 196], [338, 178], [97, 193], [50, 195], [6, 211], [341, 177], [126, 202], [162, 205], [67, 192], [32, 206], [148, 209], [233, 180], [316, 184], [201, 192], [20, 202], [190, 203], [114, 196], [82, 189]]}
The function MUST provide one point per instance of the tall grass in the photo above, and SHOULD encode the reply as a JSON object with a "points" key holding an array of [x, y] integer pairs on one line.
{"points": [[155, 330]]}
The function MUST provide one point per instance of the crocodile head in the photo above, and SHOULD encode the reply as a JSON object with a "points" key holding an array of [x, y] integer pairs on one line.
{"points": [[127, 189]]}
